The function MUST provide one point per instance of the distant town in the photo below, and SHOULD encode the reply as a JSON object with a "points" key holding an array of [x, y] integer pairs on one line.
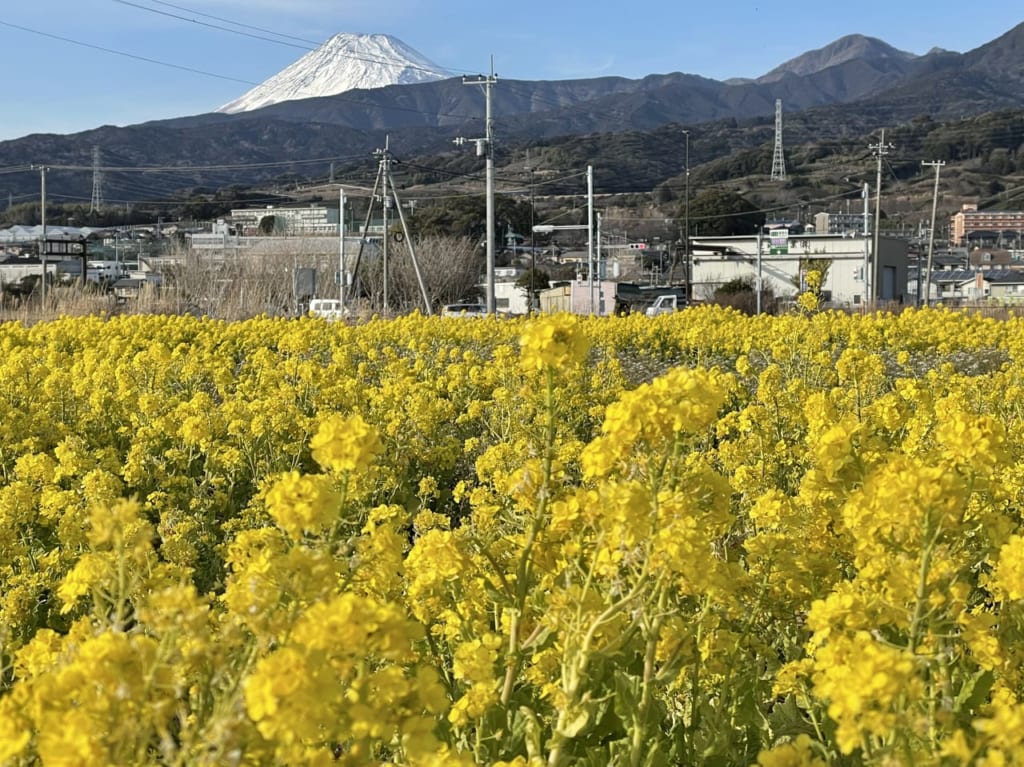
{"points": [[982, 261]]}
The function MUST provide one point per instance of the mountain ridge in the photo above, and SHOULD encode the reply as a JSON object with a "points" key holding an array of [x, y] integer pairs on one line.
{"points": [[859, 94], [846, 48]]}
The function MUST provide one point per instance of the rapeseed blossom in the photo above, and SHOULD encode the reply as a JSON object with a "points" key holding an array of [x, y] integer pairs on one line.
{"points": [[554, 343], [345, 444], [787, 540]]}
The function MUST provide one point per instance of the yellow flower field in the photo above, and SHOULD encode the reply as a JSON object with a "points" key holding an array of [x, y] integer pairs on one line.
{"points": [[696, 539]]}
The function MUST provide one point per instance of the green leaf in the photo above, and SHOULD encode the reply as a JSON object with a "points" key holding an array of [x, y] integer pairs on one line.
{"points": [[787, 719], [576, 724], [627, 694], [974, 692]]}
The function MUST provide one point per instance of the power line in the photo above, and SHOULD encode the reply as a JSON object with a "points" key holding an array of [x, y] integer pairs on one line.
{"points": [[336, 97], [233, 22], [125, 54], [621, 116], [193, 168], [309, 44], [213, 26]]}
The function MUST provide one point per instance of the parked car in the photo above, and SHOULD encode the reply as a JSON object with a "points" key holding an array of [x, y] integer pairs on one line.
{"points": [[464, 310]]}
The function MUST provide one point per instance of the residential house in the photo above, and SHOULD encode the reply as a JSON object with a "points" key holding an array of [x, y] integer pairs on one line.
{"points": [[579, 296], [782, 261]]}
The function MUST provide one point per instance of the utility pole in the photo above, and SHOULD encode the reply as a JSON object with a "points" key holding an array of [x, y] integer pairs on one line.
{"points": [[590, 231], [759, 282], [341, 249], [385, 161], [686, 220], [485, 147], [381, 182], [533, 239], [881, 149], [42, 221], [937, 164], [868, 283]]}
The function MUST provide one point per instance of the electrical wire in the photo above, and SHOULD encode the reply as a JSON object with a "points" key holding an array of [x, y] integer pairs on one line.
{"points": [[194, 168], [310, 45], [125, 54]]}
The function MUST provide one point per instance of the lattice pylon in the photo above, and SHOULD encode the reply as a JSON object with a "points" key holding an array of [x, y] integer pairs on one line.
{"points": [[97, 182], [778, 158]]}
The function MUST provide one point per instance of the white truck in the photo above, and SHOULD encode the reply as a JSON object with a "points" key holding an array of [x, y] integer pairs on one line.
{"points": [[665, 304], [329, 309]]}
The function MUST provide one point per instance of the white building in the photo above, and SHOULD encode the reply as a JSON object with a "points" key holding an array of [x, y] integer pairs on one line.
{"points": [[509, 297], [580, 297], [310, 220], [782, 260]]}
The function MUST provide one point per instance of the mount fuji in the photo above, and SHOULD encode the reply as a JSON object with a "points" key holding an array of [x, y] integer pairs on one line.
{"points": [[345, 62]]}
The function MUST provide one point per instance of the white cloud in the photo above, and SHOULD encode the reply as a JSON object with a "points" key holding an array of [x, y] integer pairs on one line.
{"points": [[583, 66]]}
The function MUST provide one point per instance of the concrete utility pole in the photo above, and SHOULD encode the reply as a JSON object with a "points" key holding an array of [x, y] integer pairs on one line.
{"points": [[386, 198], [758, 283], [341, 248], [881, 149], [590, 231], [937, 164], [485, 147], [385, 160], [686, 219], [42, 221], [868, 283]]}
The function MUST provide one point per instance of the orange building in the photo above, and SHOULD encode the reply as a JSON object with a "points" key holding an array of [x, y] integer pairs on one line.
{"points": [[969, 220]]}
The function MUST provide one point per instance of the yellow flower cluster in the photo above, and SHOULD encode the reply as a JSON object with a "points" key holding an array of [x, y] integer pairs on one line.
{"points": [[553, 343], [704, 538], [345, 444]]}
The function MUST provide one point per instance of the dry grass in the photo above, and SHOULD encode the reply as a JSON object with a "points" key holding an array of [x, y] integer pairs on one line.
{"points": [[250, 284]]}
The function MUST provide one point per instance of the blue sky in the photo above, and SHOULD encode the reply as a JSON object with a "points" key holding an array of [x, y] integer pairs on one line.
{"points": [[53, 85]]}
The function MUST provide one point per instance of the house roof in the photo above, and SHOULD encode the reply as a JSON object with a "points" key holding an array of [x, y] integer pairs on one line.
{"points": [[1000, 276]]}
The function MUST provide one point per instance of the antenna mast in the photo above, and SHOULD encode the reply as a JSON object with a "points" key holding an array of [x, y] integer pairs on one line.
{"points": [[778, 158]]}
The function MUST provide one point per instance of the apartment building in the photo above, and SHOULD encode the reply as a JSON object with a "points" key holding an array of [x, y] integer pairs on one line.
{"points": [[839, 223], [309, 220], [995, 223]]}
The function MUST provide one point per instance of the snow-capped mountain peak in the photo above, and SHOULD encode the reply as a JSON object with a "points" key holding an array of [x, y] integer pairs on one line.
{"points": [[344, 63]]}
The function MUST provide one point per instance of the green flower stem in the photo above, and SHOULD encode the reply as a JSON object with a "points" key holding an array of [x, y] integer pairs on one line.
{"points": [[513, 657]]}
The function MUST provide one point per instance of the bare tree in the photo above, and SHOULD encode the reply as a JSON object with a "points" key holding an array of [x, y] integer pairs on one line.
{"points": [[247, 283], [450, 267]]}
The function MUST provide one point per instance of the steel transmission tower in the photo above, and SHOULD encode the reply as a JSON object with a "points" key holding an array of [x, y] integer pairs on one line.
{"points": [[778, 158], [97, 182]]}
